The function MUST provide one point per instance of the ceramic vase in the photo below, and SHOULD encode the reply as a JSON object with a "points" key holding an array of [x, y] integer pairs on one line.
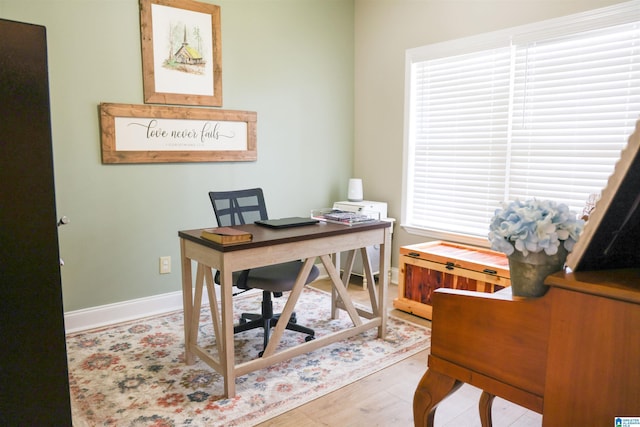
{"points": [[528, 272]]}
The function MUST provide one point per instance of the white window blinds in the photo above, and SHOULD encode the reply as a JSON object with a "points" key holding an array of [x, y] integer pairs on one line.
{"points": [[543, 112]]}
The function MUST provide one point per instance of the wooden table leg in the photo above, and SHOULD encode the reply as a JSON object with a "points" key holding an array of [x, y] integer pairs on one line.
{"points": [[227, 356], [340, 288], [345, 277], [486, 399], [213, 307], [431, 390], [187, 304], [383, 280], [335, 258], [368, 274], [194, 317], [348, 268], [285, 315]]}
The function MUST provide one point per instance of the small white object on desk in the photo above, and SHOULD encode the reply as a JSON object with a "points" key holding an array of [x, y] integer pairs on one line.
{"points": [[354, 191]]}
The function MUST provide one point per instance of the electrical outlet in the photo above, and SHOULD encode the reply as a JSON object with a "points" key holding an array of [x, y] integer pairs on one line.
{"points": [[165, 264]]}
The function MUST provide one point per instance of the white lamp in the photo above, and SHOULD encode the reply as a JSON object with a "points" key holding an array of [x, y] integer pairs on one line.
{"points": [[354, 191]]}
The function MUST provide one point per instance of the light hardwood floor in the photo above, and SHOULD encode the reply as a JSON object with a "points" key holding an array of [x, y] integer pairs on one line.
{"points": [[385, 397]]}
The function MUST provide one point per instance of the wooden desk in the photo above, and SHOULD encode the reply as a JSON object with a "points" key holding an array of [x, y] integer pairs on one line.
{"points": [[571, 355], [272, 247]]}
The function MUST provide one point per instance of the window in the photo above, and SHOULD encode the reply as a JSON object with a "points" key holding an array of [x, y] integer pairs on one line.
{"points": [[537, 111]]}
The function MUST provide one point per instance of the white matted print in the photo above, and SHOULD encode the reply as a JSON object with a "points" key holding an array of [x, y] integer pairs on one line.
{"points": [[181, 52], [155, 134], [136, 134]]}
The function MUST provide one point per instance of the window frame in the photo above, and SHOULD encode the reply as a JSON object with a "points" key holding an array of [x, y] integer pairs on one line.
{"points": [[599, 18]]}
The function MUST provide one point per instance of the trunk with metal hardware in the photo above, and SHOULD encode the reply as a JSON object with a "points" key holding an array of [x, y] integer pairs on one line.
{"points": [[425, 267]]}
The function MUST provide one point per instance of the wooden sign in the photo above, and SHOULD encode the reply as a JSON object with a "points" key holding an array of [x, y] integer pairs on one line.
{"points": [[161, 134]]}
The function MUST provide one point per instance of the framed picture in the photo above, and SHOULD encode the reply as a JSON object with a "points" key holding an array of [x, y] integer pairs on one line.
{"points": [[181, 52], [161, 134]]}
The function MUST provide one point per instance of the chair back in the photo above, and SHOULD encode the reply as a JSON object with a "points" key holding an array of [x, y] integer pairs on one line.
{"points": [[238, 207]]}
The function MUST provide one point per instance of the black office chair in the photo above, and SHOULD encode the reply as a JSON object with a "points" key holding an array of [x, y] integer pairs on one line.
{"points": [[245, 207]]}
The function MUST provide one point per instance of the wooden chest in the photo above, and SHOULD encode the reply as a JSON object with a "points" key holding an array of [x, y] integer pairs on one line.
{"points": [[426, 267]]}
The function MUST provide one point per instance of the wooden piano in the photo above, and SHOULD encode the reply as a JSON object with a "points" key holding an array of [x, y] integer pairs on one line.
{"points": [[572, 355]]}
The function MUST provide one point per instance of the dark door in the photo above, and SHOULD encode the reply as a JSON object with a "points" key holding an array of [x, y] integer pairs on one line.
{"points": [[34, 382]]}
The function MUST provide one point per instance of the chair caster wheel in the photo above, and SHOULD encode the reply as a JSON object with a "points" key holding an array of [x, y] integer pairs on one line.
{"points": [[309, 338]]}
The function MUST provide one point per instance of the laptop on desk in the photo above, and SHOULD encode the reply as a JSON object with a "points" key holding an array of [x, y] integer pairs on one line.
{"points": [[295, 221]]}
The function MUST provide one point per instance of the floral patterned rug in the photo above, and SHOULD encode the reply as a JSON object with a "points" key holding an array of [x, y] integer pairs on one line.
{"points": [[133, 374]]}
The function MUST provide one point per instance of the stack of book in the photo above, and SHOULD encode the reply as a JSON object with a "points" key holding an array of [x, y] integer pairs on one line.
{"points": [[343, 217], [225, 235]]}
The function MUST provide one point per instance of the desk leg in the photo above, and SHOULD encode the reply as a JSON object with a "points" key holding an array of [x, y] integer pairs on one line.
{"points": [[346, 276], [335, 259], [431, 390], [383, 281], [368, 274], [341, 289], [187, 304], [287, 311], [227, 359], [196, 306], [348, 268], [486, 399], [213, 307]]}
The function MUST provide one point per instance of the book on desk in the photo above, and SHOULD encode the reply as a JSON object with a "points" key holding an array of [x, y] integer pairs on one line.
{"points": [[337, 216], [226, 235]]}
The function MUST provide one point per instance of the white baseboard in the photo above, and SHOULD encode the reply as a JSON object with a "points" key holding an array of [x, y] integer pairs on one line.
{"points": [[394, 275], [109, 314]]}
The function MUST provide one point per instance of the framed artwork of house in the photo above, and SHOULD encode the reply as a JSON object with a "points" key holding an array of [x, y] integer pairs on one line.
{"points": [[181, 52]]}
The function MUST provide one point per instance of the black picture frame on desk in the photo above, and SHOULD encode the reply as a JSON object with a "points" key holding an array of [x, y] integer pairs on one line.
{"points": [[611, 236]]}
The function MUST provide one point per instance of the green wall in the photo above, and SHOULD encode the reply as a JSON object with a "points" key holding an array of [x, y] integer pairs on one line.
{"points": [[291, 61], [326, 78]]}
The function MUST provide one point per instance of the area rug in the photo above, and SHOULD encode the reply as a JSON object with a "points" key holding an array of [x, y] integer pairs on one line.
{"points": [[133, 374]]}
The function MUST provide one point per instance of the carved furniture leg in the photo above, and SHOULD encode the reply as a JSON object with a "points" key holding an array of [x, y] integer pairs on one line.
{"points": [[486, 400], [431, 390]]}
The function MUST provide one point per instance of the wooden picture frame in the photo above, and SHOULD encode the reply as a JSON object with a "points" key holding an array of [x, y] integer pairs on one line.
{"points": [[181, 52], [161, 134], [610, 237]]}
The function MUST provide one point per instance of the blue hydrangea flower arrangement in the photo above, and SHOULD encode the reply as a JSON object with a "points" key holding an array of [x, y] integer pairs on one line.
{"points": [[534, 226]]}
